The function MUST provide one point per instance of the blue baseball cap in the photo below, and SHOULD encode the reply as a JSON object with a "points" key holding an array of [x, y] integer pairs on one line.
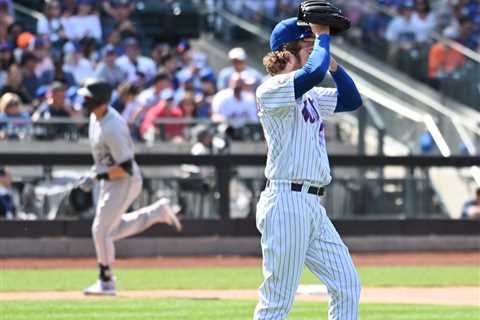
{"points": [[286, 31]]}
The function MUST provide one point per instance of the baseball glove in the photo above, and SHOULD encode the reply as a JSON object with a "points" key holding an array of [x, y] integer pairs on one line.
{"points": [[324, 13], [80, 200]]}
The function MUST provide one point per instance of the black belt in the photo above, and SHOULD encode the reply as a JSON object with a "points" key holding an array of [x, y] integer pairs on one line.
{"points": [[318, 191]]}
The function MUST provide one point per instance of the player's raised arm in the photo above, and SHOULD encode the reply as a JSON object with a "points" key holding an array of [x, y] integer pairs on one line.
{"points": [[348, 97], [314, 70]]}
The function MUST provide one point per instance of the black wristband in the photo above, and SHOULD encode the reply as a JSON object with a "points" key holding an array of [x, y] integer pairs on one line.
{"points": [[102, 176], [127, 166]]}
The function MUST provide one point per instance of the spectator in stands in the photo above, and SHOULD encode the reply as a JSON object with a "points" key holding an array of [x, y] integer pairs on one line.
{"points": [[285, 8], [13, 119], [466, 36], [189, 79], [141, 81], [90, 51], [76, 63], [51, 24], [41, 50], [132, 62], [193, 65], [159, 50], [168, 63], [120, 11], [84, 24], [30, 81], [271, 9], [58, 74], [5, 14], [253, 10], [69, 8], [209, 90], [108, 68], [14, 84], [235, 105], [188, 105], [6, 60], [189, 108], [471, 209], [113, 39], [423, 21], [151, 96], [126, 95], [7, 206], [190, 60], [135, 112], [238, 58], [15, 31], [374, 25], [443, 61], [5, 39], [455, 11], [56, 106], [164, 109], [400, 33]]}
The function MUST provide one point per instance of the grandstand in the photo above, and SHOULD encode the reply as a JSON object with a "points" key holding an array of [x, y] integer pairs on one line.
{"points": [[173, 54]]}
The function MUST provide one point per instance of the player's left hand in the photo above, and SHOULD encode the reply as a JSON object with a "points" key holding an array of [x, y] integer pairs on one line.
{"points": [[86, 183], [322, 12]]}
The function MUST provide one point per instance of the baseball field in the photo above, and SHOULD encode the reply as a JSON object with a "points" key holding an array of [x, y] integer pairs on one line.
{"points": [[422, 286]]}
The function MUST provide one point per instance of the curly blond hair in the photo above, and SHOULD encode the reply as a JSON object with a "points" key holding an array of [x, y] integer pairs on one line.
{"points": [[276, 61]]}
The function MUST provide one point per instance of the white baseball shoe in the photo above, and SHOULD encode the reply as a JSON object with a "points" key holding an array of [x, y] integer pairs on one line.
{"points": [[101, 288], [163, 212]]}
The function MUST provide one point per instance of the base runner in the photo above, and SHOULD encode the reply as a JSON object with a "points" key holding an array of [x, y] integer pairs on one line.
{"points": [[120, 184]]}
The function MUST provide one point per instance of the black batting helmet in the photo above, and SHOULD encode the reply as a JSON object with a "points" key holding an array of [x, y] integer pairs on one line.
{"points": [[97, 91]]}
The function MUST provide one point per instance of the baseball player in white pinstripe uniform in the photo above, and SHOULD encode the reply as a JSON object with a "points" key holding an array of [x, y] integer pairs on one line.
{"points": [[295, 228]]}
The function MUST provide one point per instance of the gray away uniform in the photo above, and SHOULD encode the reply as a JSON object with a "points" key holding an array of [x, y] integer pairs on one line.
{"points": [[111, 145]]}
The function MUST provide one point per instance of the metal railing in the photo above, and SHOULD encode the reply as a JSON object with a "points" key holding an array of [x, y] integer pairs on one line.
{"points": [[402, 196], [75, 129]]}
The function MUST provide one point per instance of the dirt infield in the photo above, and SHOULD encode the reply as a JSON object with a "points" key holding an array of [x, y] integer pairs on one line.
{"points": [[384, 259], [437, 296]]}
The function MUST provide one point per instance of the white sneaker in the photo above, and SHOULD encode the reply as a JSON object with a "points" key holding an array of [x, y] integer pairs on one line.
{"points": [[101, 288], [164, 213]]}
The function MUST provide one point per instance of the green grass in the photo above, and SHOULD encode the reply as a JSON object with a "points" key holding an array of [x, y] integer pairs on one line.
{"points": [[227, 278], [174, 309]]}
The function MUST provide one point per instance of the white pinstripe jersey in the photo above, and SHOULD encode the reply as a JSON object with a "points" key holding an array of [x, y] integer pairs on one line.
{"points": [[295, 130]]}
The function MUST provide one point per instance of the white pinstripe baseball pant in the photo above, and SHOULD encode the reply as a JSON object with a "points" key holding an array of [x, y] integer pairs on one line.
{"points": [[296, 232]]}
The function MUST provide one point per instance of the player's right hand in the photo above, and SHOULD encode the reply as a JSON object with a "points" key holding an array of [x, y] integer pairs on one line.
{"points": [[333, 64], [319, 29]]}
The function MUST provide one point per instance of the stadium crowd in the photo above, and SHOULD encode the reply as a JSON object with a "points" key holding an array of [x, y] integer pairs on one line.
{"points": [[41, 71], [400, 32], [407, 41]]}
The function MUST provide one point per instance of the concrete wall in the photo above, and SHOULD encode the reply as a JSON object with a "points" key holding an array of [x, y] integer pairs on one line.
{"points": [[240, 246]]}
